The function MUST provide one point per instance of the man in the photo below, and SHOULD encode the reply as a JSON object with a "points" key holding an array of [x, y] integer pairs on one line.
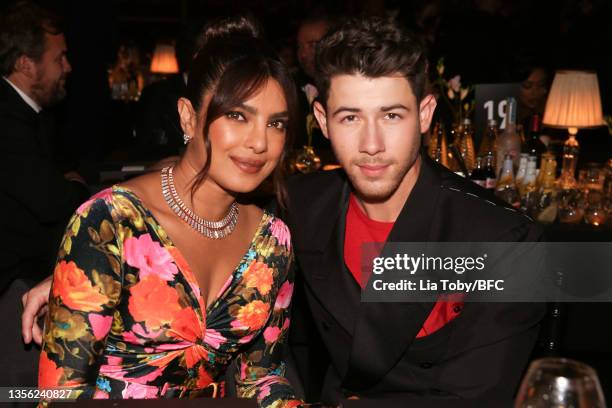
{"points": [[35, 197], [373, 109], [310, 31]]}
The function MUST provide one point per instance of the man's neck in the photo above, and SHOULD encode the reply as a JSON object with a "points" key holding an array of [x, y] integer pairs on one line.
{"points": [[390, 209], [24, 90]]}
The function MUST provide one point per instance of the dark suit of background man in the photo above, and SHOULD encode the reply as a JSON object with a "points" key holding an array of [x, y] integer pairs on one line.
{"points": [[372, 107], [36, 199]]}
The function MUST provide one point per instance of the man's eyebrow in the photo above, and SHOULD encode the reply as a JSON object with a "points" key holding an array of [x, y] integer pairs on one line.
{"points": [[396, 106], [346, 109]]}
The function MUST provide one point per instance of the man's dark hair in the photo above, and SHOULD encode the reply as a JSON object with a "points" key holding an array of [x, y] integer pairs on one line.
{"points": [[373, 47], [22, 32]]}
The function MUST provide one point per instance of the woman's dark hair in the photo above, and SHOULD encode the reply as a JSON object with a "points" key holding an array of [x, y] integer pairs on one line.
{"points": [[373, 47], [232, 64]]}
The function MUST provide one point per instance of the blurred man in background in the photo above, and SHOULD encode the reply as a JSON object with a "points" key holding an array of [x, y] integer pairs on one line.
{"points": [[36, 198]]}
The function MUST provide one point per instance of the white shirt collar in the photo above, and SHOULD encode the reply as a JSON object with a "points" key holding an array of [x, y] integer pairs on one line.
{"points": [[25, 97]]}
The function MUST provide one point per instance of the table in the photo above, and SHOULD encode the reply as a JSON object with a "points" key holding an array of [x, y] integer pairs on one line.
{"points": [[159, 403]]}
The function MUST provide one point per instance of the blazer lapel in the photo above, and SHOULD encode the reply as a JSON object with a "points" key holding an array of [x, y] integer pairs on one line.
{"points": [[384, 331], [326, 273]]}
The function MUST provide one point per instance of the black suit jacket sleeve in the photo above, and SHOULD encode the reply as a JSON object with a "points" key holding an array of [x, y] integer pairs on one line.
{"points": [[34, 180]]}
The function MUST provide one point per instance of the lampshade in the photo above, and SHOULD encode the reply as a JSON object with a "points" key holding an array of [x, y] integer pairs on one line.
{"points": [[164, 60], [574, 101]]}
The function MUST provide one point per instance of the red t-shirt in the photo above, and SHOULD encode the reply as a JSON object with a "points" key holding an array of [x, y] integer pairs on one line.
{"points": [[361, 229]]}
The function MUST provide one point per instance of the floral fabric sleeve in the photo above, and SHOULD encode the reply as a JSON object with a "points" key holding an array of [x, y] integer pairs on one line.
{"points": [[86, 287], [261, 369]]}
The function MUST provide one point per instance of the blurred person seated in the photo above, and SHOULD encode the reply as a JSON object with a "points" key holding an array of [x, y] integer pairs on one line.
{"points": [[535, 79], [310, 31], [37, 197]]}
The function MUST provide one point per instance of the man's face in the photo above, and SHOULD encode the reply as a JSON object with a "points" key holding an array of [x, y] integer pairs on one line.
{"points": [[307, 37], [374, 126], [49, 84]]}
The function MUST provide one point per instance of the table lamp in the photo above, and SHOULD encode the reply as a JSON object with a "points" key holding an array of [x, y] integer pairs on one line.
{"points": [[573, 103], [164, 60]]}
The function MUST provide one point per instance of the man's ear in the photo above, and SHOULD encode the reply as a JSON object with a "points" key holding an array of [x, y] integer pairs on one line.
{"points": [[187, 115], [25, 66], [321, 115], [426, 111]]}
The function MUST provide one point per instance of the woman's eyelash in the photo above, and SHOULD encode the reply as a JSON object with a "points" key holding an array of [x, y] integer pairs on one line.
{"points": [[235, 115]]}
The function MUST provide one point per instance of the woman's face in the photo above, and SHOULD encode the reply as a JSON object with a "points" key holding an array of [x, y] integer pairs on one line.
{"points": [[534, 90], [247, 142]]}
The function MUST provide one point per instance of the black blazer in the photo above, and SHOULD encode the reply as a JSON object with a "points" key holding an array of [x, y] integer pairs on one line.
{"points": [[371, 346], [36, 200]]}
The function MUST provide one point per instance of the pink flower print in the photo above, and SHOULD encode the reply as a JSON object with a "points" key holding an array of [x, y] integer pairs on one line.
{"points": [[280, 231], [105, 195], [99, 394], [148, 378], [263, 393], [214, 338], [138, 332], [100, 325], [112, 371], [139, 391], [283, 298], [286, 324], [246, 339], [271, 334], [149, 257], [243, 368]]}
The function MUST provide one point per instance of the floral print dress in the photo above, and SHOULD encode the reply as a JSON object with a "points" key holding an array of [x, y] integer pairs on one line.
{"points": [[127, 320]]}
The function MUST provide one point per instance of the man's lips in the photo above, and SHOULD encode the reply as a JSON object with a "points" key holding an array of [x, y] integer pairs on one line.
{"points": [[248, 165], [373, 169]]}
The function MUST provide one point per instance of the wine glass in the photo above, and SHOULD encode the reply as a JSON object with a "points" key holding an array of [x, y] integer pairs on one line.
{"points": [[571, 206], [596, 211], [560, 383]]}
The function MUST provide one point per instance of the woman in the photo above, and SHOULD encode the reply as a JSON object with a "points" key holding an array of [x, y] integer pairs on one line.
{"points": [[150, 297]]}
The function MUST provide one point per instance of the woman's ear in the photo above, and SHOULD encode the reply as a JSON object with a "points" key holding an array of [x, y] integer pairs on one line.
{"points": [[187, 116]]}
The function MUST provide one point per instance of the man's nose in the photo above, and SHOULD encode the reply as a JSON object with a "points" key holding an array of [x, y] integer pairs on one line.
{"points": [[371, 140]]}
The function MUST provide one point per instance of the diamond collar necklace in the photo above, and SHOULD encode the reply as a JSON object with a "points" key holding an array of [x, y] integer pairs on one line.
{"points": [[211, 229]]}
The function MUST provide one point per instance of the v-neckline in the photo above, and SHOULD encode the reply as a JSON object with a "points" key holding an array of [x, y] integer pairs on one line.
{"points": [[182, 263]]}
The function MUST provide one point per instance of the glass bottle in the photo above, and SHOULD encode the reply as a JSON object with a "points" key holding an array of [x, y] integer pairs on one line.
{"points": [[478, 175], [489, 172], [522, 170], [533, 145], [546, 206], [438, 145], [466, 145], [506, 185], [509, 141], [455, 137], [489, 140], [529, 188]]}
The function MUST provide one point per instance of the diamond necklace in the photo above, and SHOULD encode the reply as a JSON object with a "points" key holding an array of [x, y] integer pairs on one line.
{"points": [[211, 229]]}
